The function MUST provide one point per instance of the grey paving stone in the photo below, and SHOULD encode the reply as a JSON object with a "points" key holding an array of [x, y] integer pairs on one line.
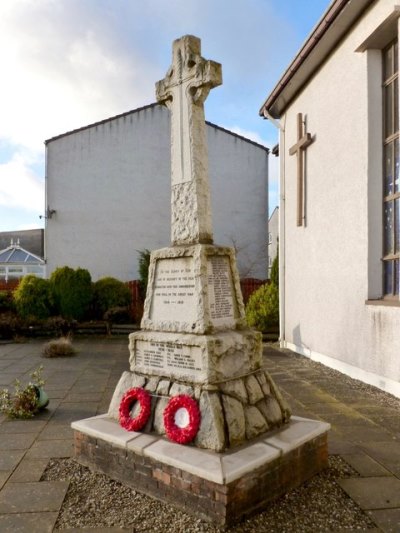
{"points": [[10, 459], [365, 434], [365, 465], [50, 448], [75, 397], [386, 453], [3, 478], [56, 393], [69, 412], [28, 522], [32, 497], [29, 470], [56, 431], [373, 492], [16, 441], [337, 446], [388, 519], [22, 426]]}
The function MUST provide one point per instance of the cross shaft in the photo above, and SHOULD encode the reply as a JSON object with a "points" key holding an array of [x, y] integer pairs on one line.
{"points": [[184, 90]]}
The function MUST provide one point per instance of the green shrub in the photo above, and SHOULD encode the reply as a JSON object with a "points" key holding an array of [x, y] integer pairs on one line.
{"points": [[262, 310], [144, 263], [33, 297], [10, 325], [72, 291], [109, 293], [60, 326], [275, 271], [6, 301]]}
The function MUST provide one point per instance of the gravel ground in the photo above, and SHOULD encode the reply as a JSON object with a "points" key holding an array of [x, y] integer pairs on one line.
{"points": [[93, 500]]}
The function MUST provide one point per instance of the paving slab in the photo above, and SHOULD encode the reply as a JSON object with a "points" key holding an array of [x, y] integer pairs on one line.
{"points": [[364, 434], [32, 497], [386, 453], [28, 522], [22, 426], [51, 448], [365, 465], [388, 519], [17, 441], [55, 431], [69, 412], [3, 478], [29, 470], [373, 492], [10, 459]]}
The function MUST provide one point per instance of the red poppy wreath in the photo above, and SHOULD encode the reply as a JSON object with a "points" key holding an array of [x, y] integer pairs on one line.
{"points": [[182, 419], [132, 395]]}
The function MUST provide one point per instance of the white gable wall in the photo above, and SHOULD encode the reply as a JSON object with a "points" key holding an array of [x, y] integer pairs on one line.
{"points": [[332, 264], [110, 187]]}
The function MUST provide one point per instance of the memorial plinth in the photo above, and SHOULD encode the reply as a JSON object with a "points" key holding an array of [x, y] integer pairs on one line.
{"points": [[194, 346]]}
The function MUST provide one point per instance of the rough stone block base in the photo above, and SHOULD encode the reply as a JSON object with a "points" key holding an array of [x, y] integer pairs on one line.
{"points": [[222, 488]]}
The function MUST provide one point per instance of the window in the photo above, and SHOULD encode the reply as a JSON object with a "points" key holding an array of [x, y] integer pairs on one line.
{"points": [[391, 188], [269, 238]]}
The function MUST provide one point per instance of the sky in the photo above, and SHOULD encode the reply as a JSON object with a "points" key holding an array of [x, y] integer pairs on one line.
{"points": [[69, 63]]}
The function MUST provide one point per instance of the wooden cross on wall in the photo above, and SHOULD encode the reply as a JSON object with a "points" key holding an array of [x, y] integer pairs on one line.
{"points": [[303, 140]]}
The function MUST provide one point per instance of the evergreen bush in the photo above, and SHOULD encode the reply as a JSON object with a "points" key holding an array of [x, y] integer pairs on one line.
{"points": [[144, 263], [34, 297], [109, 293], [6, 301], [275, 271], [262, 310], [72, 291]]}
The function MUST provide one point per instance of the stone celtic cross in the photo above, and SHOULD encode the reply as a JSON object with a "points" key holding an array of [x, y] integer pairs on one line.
{"points": [[184, 90]]}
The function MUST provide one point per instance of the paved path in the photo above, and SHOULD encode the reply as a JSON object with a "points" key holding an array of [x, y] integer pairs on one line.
{"points": [[365, 431]]}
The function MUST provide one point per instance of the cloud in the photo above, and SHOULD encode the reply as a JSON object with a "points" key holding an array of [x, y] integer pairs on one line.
{"points": [[20, 186], [62, 68]]}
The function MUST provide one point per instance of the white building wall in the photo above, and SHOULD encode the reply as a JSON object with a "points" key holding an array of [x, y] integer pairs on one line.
{"points": [[110, 187], [331, 262]]}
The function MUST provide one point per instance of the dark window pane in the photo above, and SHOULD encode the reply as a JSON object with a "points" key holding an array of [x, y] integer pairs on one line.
{"points": [[389, 169], [397, 224], [388, 228], [397, 276], [388, 63], [396, 166], [396, 105], [388, 277], [396, 57], [388, 111]]}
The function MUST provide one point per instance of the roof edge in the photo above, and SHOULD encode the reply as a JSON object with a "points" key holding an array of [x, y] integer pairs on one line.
{"points": [[104, 121], [143, 108], [335, 11]]}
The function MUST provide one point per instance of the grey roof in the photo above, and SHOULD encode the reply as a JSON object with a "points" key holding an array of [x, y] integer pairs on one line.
{"points": [[30, 239], [150, 106], [14, 254]]}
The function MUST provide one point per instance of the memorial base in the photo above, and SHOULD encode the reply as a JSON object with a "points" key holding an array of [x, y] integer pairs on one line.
{"points": [[222, 488]]}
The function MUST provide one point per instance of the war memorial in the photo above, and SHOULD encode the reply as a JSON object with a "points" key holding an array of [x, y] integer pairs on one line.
{"points": [[197, 421]]}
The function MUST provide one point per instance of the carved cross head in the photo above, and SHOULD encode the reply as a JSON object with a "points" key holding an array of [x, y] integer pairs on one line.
{"points": [[189, 69]]}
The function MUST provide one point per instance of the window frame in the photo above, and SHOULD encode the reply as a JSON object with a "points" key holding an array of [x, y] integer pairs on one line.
{"points": [[389, 138]]}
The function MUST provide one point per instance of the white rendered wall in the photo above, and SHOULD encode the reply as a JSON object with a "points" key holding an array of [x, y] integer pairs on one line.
{"points": [[332, 264], [110, 187]]}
